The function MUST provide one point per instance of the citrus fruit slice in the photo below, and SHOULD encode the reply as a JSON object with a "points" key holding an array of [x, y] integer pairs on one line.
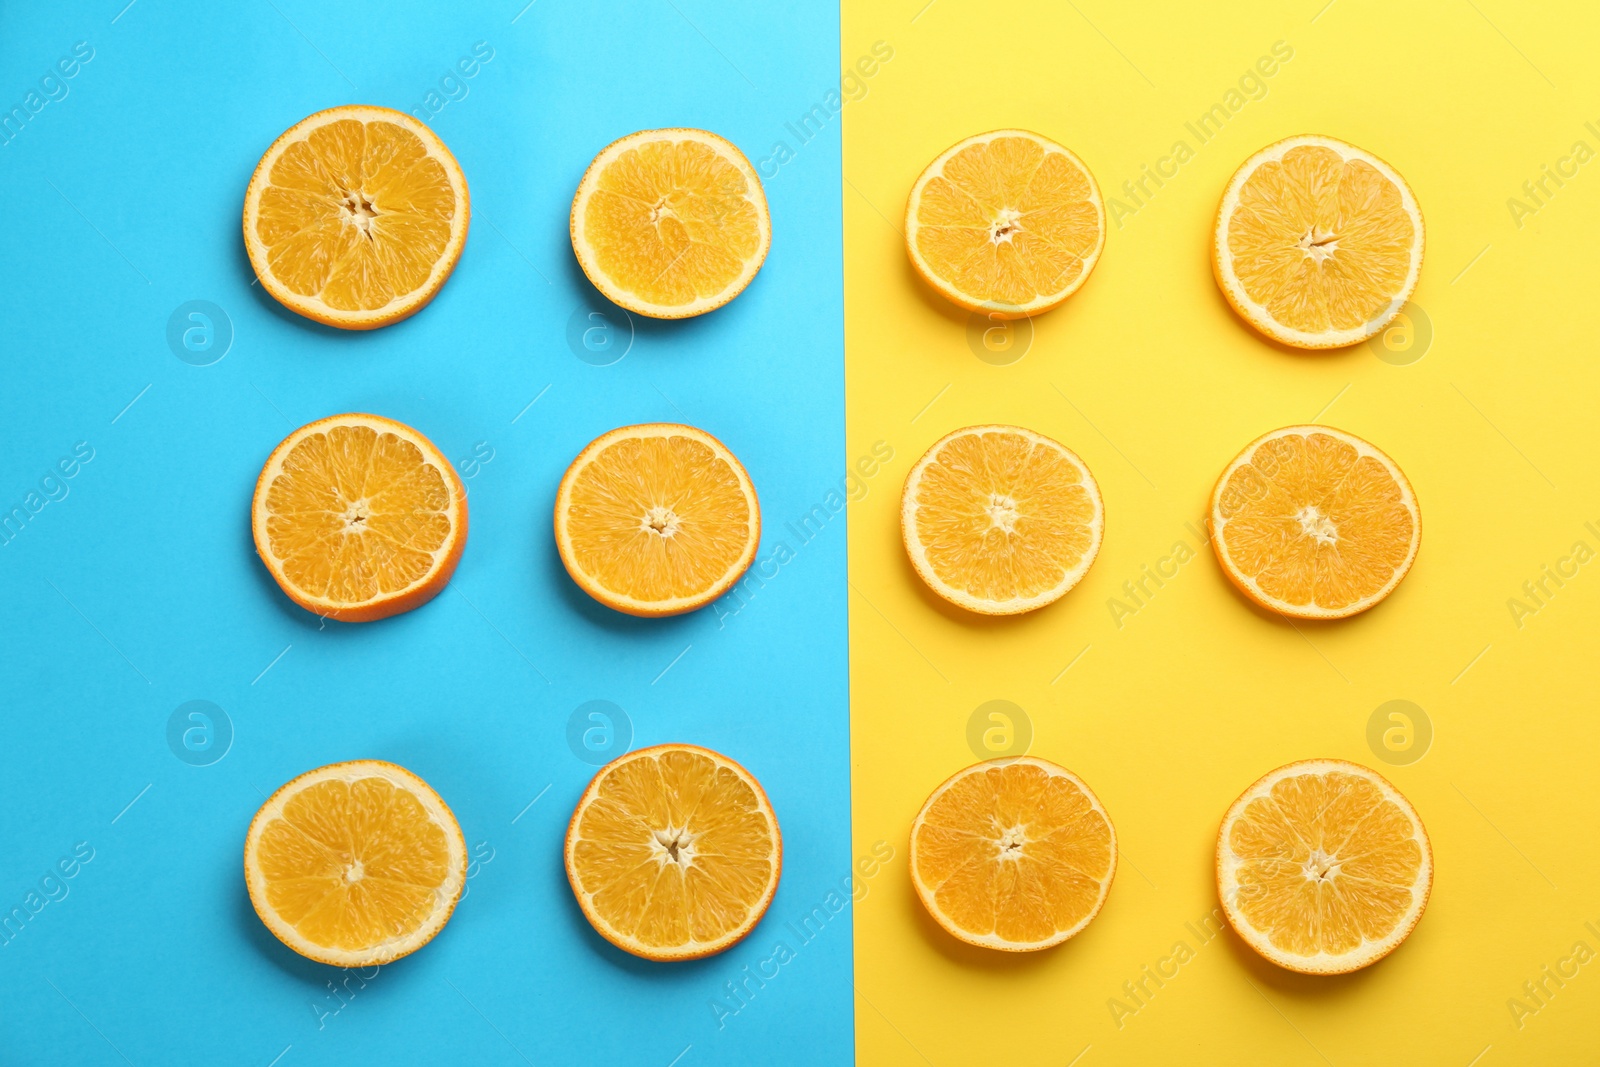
{"points": [[670, 223], [1323, 867], [359, 517], [1008, 222], [1318, 244], [1315, 523], [657, 519], [355, 864], [356, 216], [1001, 520], [673, 852], [1014, 853]]}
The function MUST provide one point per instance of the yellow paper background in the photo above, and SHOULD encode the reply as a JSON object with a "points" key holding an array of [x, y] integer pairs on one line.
{"points": [[1152, 380]]}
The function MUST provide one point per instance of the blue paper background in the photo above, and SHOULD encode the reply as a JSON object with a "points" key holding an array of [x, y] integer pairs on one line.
{"points": [[139, 590]]}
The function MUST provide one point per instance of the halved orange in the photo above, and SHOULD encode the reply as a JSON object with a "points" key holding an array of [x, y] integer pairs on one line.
{"points": [[1318, 243], [1007, 222], [656, 519], [673, 852], [670, 223], [1314, 523], [1001, 520], [355, 864], [359, 517], [1323, 867], [1013, 853], [355, 216]]}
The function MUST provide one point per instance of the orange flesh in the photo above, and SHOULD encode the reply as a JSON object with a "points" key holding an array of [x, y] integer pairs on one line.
{"points": [[1325, 861], [356, 214], [1001, 517], [1314, 522], [1321, 243], [672, 222], [355, 514], [1013, 852], [674, 848], [656, 518], [1006, 222], [350, 865]]}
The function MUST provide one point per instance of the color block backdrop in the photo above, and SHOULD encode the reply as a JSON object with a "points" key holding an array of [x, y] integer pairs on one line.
{"points": [[1153, 679], [145, 380]]}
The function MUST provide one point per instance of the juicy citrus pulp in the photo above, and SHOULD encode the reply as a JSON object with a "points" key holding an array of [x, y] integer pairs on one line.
{"points": [[673, 852], [1318, 244], [1007, 222], [1314, 522], [656, 519], [355, 864], [670, 223], [359, 517], [356, 216], [1000, 520], [1013, 853], [1323, 867]]}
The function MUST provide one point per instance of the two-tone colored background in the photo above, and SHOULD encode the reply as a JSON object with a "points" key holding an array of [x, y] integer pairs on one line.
{"points": [[129, 589]]}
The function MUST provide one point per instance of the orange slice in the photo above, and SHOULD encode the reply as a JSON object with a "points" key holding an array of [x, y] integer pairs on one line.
{"points": [[355, 864], [657, 519], [356, 216], [1014, 853], [359, 517], [670, 223], [1001, 520], [673, 852], [1314, 523], [1323, 867], [1007, 222], [1318, 244]]}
